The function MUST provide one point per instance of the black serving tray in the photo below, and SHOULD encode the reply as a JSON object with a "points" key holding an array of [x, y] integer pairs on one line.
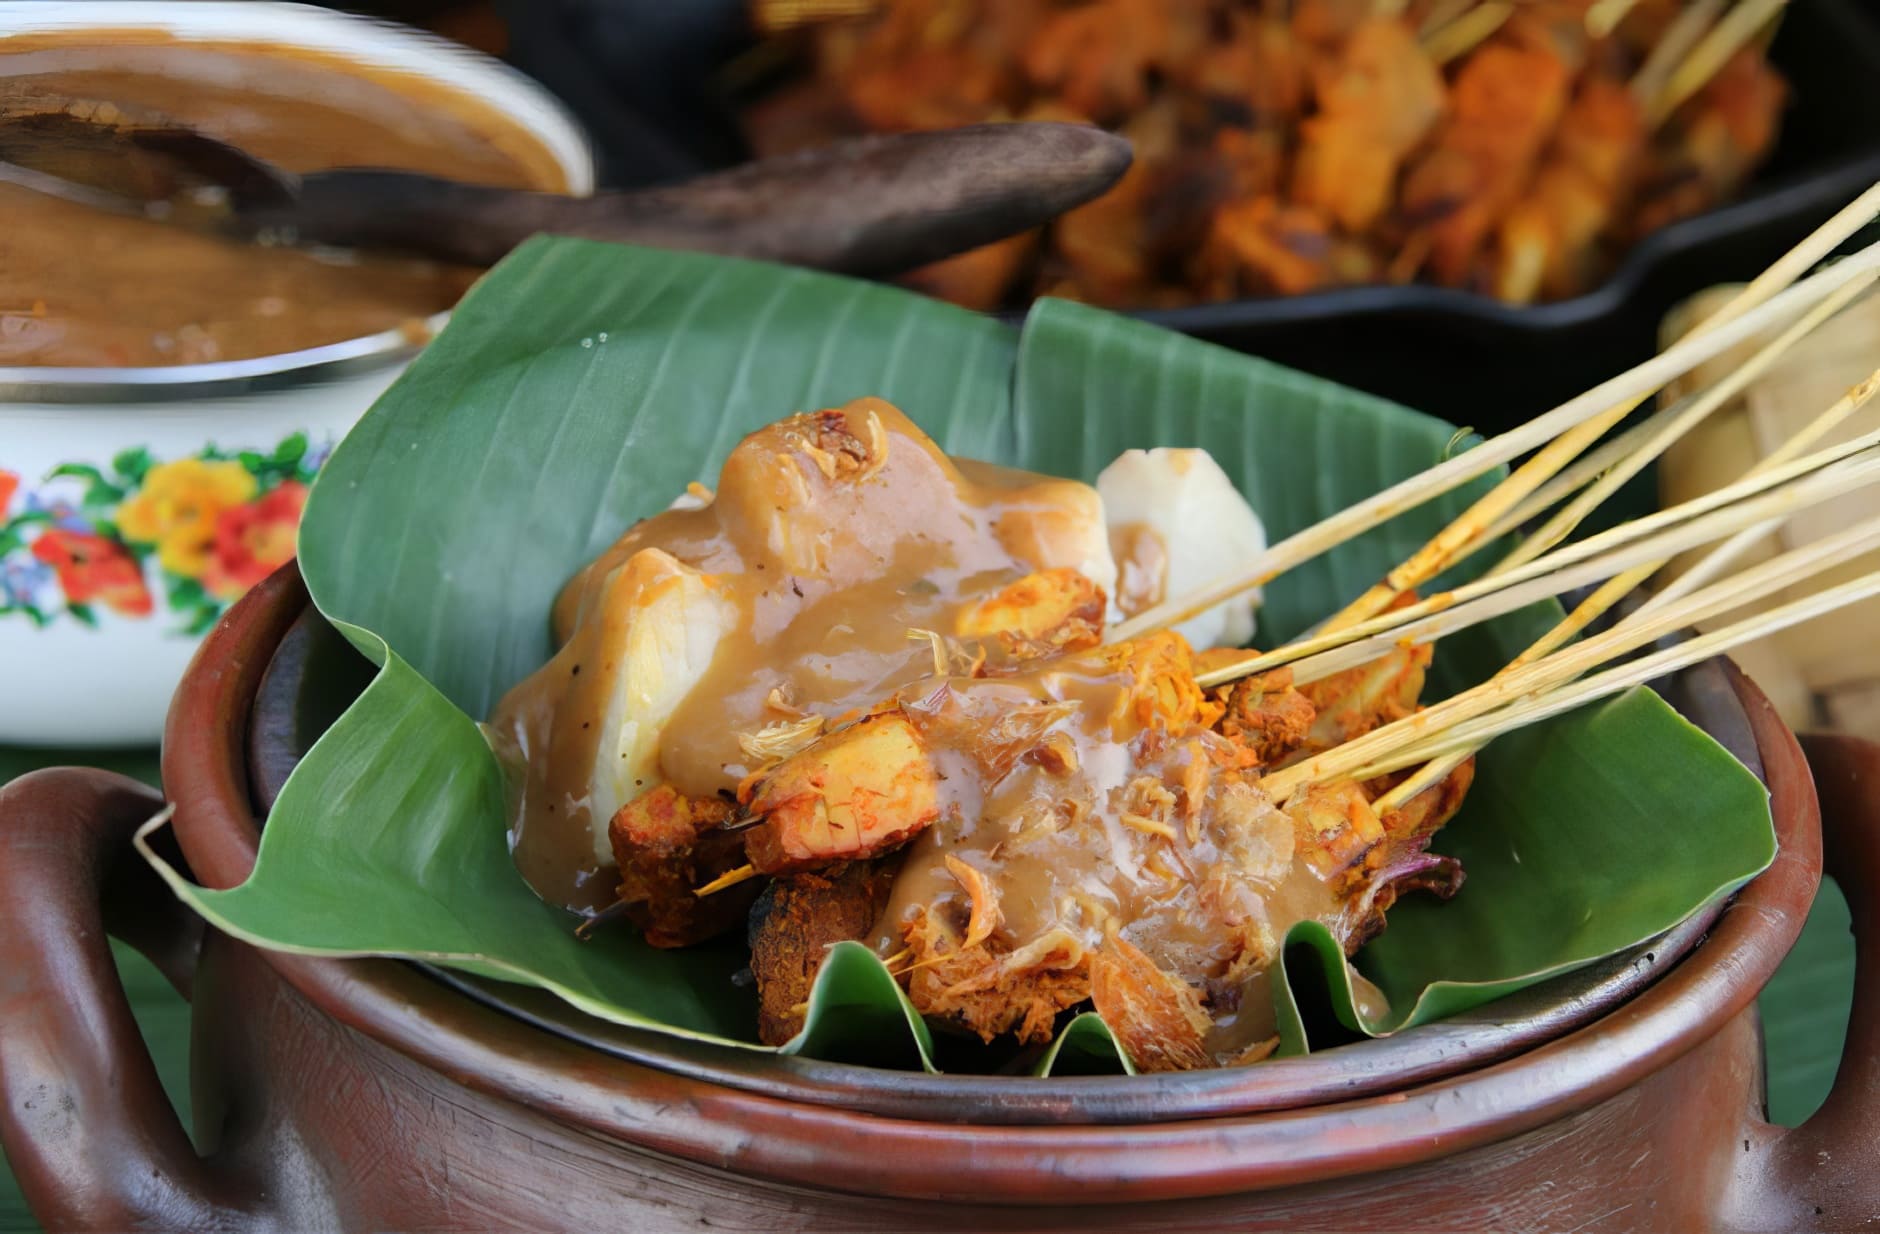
{"points": [[642, 74]]}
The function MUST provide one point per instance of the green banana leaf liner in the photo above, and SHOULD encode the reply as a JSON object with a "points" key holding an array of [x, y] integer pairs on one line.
{"points": [[580, 386]]}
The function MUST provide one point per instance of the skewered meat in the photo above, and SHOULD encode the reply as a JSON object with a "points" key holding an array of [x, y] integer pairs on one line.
{"points": [[987, 989], [831, 534], [1503, 107], [1376, 102], [858, 793], [794, 923], [666, 845], [1267, 715], [922, 744], [1283, 149], [1723, 134], [1156, 1017], [1352, 703], [1039, 615], [1549, 242]]}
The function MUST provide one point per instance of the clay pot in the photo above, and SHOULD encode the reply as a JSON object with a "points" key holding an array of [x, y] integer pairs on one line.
{"points": [[367, 1094]]}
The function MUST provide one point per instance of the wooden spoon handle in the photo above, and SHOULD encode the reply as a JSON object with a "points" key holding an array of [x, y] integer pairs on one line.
{"points": [[871, 206]]}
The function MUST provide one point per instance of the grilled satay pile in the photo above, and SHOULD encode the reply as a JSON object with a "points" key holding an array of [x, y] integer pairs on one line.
{"points": [[1287, 146], [875, 676]]}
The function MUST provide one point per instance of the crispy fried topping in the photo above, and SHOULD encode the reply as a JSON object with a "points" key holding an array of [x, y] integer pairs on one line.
{"points": [[1157, 1018]]}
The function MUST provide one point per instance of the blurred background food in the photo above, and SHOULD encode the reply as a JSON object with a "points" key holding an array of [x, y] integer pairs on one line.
{"points": [[667, 90], [1511, 149]]}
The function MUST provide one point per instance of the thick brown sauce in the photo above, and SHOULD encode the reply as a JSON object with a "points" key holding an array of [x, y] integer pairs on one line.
{"points": [[86, 288], [1210, 899], [824, 579], [1141, 567]]}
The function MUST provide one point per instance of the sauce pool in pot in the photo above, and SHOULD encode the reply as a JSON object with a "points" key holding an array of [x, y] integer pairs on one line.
{"points": [[87, 288]]}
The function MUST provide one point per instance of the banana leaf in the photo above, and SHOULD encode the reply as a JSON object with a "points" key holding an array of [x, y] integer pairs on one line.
{"points": [[580, 386]]}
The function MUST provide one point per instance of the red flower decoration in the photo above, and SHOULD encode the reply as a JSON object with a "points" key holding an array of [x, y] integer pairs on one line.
{"points": [[9, 484], [93, 568], [254, 540]]}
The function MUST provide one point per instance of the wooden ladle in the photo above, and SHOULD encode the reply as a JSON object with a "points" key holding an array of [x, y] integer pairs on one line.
{"points": [[869, 206]]}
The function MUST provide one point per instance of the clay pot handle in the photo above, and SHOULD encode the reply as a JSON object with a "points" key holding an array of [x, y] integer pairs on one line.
{"points": [[1825, 1174], [87, 1127]]}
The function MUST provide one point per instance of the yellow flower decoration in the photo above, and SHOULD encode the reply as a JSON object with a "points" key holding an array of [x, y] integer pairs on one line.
{"points": [[178, 507]]}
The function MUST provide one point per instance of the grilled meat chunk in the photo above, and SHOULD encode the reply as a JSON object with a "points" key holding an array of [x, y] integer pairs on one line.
{"points": [[794, 923]]}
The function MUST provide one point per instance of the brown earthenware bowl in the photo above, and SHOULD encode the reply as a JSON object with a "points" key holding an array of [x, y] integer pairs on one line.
{"points": [[366, 1094]]}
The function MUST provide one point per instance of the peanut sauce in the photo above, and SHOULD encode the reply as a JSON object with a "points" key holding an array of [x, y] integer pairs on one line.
{"points": [[821, 575], [88, 288], [1088, 789], [1127, 824], [1141, 567]]}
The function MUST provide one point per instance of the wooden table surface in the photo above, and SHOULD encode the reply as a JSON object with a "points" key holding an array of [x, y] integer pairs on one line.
{"points": [[1804, 1009]]}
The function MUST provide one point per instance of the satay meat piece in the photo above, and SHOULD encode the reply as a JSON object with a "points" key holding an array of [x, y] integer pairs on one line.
{"points": [[1713, 143], [1041, 614], [1549, 242], [666, 845], [1280, 248], [1254, 76], [1352, 703], [858, 792], [1376, 102], [1267, 715], [795, 922], [986, 987], [1504, 105]]}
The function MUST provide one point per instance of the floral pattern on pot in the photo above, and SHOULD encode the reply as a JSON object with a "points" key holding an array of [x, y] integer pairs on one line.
{"points": [[187, 535]]}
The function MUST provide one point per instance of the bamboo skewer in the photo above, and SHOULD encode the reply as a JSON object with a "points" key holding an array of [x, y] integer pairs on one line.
{"points": [[1730, 550], [1755, 309], [1735, 505], [730, 878], [1551, 671], [1687, 414], [1650, 552], [1351, 655], [777, 16], [1684, 33], [1707, 58], [1464, 534], [1468, 737], [612, 913], [1443, 13], [1605, 15], [1467, 32], [1583, 471], [1596, 462], [1615, 589], [1590, 609]]}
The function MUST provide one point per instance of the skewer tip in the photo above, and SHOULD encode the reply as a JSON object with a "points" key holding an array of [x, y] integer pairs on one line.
{"points": [[730, 878]]}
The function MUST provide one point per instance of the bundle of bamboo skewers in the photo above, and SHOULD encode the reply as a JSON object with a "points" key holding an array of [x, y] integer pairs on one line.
{"points": [[1571, 473], [1826, 674]]}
